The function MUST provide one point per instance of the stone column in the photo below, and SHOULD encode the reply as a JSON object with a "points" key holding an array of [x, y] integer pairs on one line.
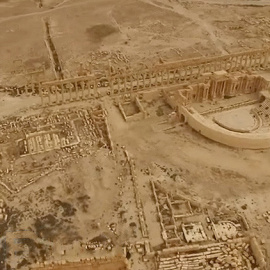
{"points": [[156, 79], [251, 61], [147, 74], [265, 59], [125, 82], [83, 87], [254, 61], [32, 85], [191, 72], [143, 77], [185, 74], [225, 85], [56, 93], [244, 84], [43, 142], [174, 75], [41, 94], [161, 76], [95, 88], [234, 67], [241, 62], [241, 85], [199, 70], [118, 85], [178, 75], [213, 90], [131, 82], [204, 92], [246, 61], [255, 84], [228, 88], [150, 74], [48, 89], [111, 83], [70, 92], [231, 64], [138, 82], [148, 84], [28, 144], [207, 92], [219, 89], [202, 69], [77, 92], [258, 61], [63, 93], [88, 88], [228, 64]]}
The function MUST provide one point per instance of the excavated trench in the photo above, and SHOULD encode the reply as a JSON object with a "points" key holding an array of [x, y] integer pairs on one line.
{"points": [[53, 53]]}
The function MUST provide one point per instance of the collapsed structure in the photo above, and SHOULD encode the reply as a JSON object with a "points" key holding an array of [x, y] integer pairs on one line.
{"points": [[76, 131], [196, 240]]}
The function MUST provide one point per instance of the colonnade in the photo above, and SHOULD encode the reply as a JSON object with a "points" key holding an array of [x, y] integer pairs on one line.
{"points": [[85, 87], [69, 90], [218, 88], [188, 70]]}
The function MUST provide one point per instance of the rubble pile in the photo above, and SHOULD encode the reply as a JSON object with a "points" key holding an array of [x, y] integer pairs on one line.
{"points": [[65, 135]]}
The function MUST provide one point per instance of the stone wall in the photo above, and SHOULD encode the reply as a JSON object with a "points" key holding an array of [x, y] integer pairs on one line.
{"points": [[229, 138]]}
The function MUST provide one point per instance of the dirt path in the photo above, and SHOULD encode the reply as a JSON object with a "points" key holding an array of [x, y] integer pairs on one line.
{"points": [[47, 11], [179, 9]]}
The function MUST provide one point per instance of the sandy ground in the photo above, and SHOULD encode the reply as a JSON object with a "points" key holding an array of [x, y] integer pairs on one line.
{"points": [[211, 172], [143, 30]]}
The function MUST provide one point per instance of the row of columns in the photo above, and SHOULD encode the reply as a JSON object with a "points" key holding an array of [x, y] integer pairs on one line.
{"points": [[135, 82], [40, 143], [153, 78], [128, 83], [64, 92], [253, 61], [220, 88], [182, 74]]}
